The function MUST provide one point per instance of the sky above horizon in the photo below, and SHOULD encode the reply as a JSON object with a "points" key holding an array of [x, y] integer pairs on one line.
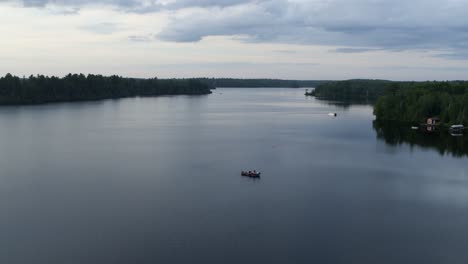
{"points": [[287, 39]]}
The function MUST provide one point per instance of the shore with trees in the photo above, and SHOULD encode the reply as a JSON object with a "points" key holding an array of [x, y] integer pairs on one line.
{"points": [[79, 87], [415, 102], [404, 101], [358, 90], [396, 133]]}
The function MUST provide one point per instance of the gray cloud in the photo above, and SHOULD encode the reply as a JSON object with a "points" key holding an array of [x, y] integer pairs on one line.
{"points": [[140, 38], [374, 24], [78, 3], [353, 50], [353, 24], [205, 3], [138, 6], [427, 68], [461, 55]]}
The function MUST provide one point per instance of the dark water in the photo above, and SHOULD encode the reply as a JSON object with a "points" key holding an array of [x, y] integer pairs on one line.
{"points": [[156, 180]]}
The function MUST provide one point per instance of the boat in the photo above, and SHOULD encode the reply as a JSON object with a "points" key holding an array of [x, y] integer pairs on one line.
{"points": [[415, 128], [457, 127], [456, 130], [332, 114], [253, 174]]}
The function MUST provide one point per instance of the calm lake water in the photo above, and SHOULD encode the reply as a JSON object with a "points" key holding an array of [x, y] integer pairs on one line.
{"points": [[156, 180]]}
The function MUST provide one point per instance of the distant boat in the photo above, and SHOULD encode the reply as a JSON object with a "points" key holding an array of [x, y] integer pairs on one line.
{"points": [[457, 127], [457, 130], [253, 174], [415, 128], [332, 114]]}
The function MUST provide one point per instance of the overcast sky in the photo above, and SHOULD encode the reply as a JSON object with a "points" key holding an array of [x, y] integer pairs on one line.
{"points": [[289, 39]]}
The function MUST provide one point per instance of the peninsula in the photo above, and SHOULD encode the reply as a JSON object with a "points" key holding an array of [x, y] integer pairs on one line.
{"points": [[404, 101]]}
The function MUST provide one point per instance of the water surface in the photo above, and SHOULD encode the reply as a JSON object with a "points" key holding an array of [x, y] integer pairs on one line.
{"points": [[156, 180]]}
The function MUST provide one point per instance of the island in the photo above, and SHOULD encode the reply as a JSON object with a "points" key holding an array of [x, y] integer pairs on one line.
{"points": [[79, 87]]}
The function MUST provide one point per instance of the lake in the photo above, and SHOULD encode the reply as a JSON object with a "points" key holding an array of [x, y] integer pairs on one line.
{"points": [[157, 180]]}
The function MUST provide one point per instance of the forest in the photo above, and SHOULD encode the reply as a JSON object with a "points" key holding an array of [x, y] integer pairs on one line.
{"points": [[358, 90], [79, 87], [404, 101], [417, 101]]}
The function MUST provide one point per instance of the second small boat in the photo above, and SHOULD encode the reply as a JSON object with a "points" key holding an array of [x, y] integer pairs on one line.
{"points": [[253, 174]]}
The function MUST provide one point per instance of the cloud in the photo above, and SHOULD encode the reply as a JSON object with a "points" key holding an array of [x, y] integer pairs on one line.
{"points": [[461, 55], [354, 25], [101, 28], [140, 38], [138, 6], [424, 68], [375, 24], [286, 51], [353, 50], [78, 3], [179, 4]]}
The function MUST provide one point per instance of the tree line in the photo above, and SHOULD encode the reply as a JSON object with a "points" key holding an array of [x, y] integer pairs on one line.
{"points": [[79, 87], [404, 101], [257, 83], [348, 90], [417, 101]]}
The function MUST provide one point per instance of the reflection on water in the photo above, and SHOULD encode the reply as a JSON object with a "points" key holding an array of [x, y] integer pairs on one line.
{"points": [[345, 104], [395, 133], [157, 180]]}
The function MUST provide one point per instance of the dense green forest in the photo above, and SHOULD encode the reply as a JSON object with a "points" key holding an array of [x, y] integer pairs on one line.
{"points": [[78, 87], [255, 83], [404, 101], [416, 101], [358, 90]]}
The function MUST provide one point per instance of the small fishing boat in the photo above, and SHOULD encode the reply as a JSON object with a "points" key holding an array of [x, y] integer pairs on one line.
{"points": [[253, 174], [332, 114]]}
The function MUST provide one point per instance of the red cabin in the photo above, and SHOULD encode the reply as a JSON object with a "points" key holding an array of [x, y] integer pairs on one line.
{"points": [[433, 121]]}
